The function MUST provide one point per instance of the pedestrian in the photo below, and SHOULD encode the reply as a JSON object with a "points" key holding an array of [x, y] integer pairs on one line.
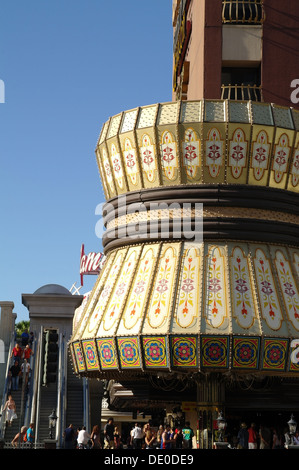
{"points": [[10, 408], [25, 338], [30, 434], [296, 439], [83, 438], [108, 434], [137, 436], [243, 437], [31, 339], [14, 373], [252, 437], [178, 438], [277, 440], [25, 367], [116, 438], [265, 437], [166, 438], [27, 352], [149, 436], [69, 437], [17, 353], [95, 438], [19, 437], [159, 435], [188, 435]]}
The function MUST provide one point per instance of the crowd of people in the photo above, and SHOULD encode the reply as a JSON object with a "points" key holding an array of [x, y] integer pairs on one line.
{"points": [[263, 438], [21, 354], [140, 437]]}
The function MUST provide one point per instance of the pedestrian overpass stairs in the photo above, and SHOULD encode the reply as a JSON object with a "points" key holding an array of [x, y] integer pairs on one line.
{"points": [[67, 395]]}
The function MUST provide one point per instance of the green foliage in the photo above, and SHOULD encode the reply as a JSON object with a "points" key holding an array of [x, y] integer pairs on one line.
{"points": [[21, 327]]}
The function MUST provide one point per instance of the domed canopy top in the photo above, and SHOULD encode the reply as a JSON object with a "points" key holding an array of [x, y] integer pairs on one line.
{"points": [[52, 289]]}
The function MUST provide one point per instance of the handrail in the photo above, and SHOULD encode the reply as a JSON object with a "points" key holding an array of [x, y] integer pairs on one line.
{"points": [[31, 400], [36, 416], [241, 92], [61, 391], [243, 11], [6, 384]]}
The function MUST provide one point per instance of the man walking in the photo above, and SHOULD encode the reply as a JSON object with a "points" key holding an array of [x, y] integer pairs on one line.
{"points": [[137, 436]]}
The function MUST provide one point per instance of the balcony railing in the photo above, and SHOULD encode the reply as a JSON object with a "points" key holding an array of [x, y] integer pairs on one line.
{"points": [[243, 12], [241, 92]]}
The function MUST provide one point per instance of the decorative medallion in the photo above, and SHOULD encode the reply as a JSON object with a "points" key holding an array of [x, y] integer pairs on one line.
{"points": [[214, 351], [238, 153], [169, 157], [275, 354], [294, 356], [214, 152], [90, 354], [155, 351], [129, 353], [260, 155], [190, 149], [184, 351], [245, 353], [130, 161], [107, 353], [79, 356]]}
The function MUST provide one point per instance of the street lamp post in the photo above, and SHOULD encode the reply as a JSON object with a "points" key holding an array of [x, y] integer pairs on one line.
{"points": [[52, 422], [221, 425], [292, 428]]}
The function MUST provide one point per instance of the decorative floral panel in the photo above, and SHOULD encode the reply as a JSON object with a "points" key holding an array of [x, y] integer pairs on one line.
{"points": [[261, 154], [135, 306], [214, 156], [268, 298], [243, 307], [79, 356], [191, 154], [155, 352], [238, 148], [148, 159], [184, 351], [114, 308], [275, 354], [90, 354], [129, 354], [188, 302], [215, 304], [245, 353], [159, 309], [214, 352], [98, 311], [288, 288], [169, 158], [107, 353]]}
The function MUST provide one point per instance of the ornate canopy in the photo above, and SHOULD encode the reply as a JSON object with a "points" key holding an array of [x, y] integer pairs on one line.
{"points": [[201, 241]]}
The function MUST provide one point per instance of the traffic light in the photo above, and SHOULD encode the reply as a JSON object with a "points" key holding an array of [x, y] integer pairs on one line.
{"points": [[50, 356]]}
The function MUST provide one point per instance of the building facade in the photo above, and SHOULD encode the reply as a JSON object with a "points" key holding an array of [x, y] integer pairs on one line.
{"points": [[196, 309]]}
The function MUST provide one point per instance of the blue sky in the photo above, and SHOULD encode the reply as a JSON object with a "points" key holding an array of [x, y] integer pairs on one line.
{"points": [[67, 66]]}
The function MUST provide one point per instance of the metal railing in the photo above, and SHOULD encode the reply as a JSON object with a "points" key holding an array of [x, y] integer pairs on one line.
{"points": [[241, 92], [243, 12]]}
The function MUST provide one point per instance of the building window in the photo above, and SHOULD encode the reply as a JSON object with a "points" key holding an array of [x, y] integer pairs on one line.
{"points": [[241, 83], [243, 11]]}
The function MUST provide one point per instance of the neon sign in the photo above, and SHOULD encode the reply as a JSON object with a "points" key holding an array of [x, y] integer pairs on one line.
{"points": [[90, 264]]}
